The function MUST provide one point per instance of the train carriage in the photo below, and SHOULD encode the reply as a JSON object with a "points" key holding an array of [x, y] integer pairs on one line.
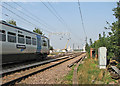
{"points": [[19, 44]]}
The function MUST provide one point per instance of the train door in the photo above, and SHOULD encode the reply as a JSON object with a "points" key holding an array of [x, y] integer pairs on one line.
{"points": [[38, 43]]}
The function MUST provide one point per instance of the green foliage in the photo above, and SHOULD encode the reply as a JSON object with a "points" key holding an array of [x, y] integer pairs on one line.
{"points": [[90, 41], [51, 48], [89, 73], [37, 30], [87, 48], [114, 35], [68, 78], [112, 41], [12, 22]]}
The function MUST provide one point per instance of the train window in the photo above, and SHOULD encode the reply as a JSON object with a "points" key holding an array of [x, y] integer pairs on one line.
{"points": [[2, 35], [33, 41], [28, 40], [21, 39], [45, 44], [44, 41], [11, 37], [19, 32]]}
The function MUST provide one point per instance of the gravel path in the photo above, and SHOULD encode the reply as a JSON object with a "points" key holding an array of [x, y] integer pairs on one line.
{"points": [[50, 76]]}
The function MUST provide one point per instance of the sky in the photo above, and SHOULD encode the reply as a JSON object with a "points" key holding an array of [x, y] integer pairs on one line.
{"points": [[41, 15]]}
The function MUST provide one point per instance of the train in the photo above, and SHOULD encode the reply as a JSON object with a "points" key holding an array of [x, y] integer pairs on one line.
{"points": [[18, 44]]}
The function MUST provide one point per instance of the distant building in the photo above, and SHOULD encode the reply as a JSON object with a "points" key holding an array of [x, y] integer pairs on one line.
{"points": [[69, 48], [63, 50], [84, 49], [58, 50]]}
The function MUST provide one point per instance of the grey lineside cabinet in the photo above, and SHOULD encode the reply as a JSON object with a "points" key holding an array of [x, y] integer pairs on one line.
{"points": [[102, 57]]}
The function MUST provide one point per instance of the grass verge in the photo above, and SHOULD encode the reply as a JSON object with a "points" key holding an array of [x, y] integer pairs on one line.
{"points": [[68, 78], [89, 73]]}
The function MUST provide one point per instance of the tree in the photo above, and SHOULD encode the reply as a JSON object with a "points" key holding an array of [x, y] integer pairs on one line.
{"points": [[51, 48], [115, 32], [104, 34], [90, 41], [112, 41], [87, 48], [12, 22], [37, 30], [99, 36]]}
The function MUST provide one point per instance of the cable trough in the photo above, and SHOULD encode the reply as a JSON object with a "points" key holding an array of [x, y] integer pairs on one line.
{"points": [[36, 68]]}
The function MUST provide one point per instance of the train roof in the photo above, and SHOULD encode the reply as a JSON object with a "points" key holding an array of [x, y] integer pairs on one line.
{"points": [[5, 23]]}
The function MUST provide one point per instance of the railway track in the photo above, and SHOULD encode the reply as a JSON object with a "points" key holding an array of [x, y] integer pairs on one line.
{"points": [[31, 69], [11, 68], [12, 64]]}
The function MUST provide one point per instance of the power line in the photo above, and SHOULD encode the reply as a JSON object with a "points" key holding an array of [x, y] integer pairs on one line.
{"points": [[82, 18], [24, 14], [56, 12], [62, 19], [22, 21], [59, 18], [33, 15], [63, 22], [53, 13], [19, 16]]}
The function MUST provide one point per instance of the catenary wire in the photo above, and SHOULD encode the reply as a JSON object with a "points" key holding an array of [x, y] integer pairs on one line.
{"points": [[60, 17], [12, 18], [45, 24], [25, 14], [81, 18], [21, 17], [53, 13]]}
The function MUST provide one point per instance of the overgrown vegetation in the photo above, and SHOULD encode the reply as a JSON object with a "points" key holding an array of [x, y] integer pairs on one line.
{"points": [[51, 48], [68, 78], [89, 73], [110, 41]]}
